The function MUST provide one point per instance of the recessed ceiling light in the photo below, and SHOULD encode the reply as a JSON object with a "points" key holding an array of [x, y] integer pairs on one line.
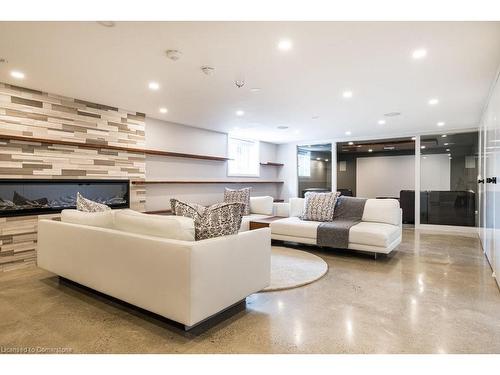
{"points": [[446, 144], [381, 122], [17, 74], [255, 89], [327, 160], [440, 123], [450, 158], [447, 150], [422, 147], [163, 110], [240, 112], [370, 150], [154, 85], [419, 53], [348, 133], [285, 45], [444, 136], [433, 101], [350, 143], [449, 154], [318, 158], [413, 138], [106, 23], [347, 94]]}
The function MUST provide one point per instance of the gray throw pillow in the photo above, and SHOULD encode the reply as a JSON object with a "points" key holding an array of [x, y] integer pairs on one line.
{"points": [[221, 219], [319, 206], [239, 196], [86, 205]]}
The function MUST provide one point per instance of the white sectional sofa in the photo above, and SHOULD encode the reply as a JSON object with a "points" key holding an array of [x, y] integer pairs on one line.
{"points": [[154, 263], [380, 230]]}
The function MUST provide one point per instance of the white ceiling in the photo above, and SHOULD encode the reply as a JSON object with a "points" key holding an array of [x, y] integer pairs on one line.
{"points": [[373, 59]]}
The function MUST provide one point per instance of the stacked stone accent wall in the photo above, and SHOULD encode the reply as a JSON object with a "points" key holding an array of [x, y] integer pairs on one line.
{"points": [[31, 113]]}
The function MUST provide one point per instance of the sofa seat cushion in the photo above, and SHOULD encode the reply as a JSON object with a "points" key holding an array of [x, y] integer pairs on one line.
{"points": [[295, 227], [245, 221], [171, 226], [103, 219], [374, 234]]}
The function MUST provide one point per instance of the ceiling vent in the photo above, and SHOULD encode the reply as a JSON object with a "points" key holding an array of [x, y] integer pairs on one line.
{"points": [[173, 54], [392, 114], [106, 23], [208, 70]]}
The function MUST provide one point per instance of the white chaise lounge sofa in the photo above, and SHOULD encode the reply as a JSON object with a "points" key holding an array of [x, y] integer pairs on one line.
{"points": [[181, 279], [380, 230]]}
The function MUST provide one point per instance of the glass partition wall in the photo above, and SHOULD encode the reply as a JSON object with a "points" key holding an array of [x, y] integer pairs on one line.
{"points": [[314, 168], [448, 179], [442, 167]]}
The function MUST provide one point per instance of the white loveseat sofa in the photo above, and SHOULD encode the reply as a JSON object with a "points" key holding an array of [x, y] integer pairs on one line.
{"points": [[181, 279], [380, 230]]}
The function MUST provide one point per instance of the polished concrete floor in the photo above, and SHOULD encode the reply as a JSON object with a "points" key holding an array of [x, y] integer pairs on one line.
{"points": [[435, 294]]}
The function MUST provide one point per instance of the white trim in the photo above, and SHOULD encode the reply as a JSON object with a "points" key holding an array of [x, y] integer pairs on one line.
{"points": [[417, 180]]}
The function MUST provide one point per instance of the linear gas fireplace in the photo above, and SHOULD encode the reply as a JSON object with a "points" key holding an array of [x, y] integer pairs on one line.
{"points": [[20, 197]]}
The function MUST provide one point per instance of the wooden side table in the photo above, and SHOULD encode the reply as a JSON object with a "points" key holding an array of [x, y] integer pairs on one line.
{"points": [[263, 223]]}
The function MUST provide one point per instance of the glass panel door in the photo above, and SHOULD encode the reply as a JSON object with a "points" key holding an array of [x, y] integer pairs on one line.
{"points": [[448, 179]]}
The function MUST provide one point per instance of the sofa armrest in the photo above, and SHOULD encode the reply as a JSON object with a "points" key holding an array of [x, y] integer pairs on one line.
{"points": [[281, 209], [225, 270]]}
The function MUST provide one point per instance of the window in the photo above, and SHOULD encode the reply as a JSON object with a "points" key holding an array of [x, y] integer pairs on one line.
{"points": [[245, 157], [304, 161]]}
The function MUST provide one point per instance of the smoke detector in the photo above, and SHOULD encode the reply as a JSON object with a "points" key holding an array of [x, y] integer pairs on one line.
{"points": [[239, 83], [208, 70], [173, 54]]}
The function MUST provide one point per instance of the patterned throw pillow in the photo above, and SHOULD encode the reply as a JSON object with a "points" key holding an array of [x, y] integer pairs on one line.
{"points": [[181, 208], [86, 205], [221, 219], [319, 206], [238, 196]]}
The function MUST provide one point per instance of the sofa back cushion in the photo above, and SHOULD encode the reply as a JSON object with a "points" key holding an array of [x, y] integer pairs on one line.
{"points": [[382, 211], [104, 219], [296, 207], [170, 226], [261, 205]]}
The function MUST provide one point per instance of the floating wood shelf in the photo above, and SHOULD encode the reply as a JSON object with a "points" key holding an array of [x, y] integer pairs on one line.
{"points": [[96, 146], [205, 182], [272, 164]]}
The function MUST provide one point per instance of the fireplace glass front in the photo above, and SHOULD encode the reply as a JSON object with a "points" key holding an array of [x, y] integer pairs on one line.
{"points": [[33, 197]]}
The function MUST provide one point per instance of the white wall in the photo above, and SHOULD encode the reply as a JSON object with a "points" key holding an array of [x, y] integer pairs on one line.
{"points": [[384, 175], [435, 172], [169, 136]]}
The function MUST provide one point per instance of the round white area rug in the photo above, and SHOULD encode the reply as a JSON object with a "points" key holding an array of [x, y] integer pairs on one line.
{"points": [[292, 268]]}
